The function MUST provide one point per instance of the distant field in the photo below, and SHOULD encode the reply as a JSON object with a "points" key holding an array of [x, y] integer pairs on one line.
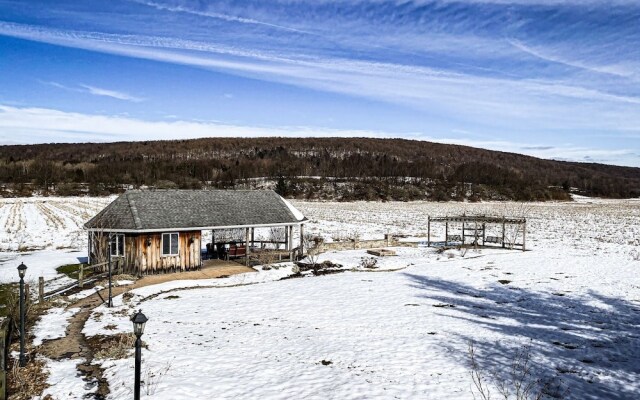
{"points": [[39, 223], [48, 230]]}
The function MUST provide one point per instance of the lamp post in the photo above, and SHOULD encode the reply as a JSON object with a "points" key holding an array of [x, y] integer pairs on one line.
{"points": [[22, 269], [109, 301], [139, 320]]}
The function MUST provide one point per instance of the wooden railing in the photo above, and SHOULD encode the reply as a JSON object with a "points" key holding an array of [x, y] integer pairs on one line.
{"points": [[89, 270], [85, 273]]}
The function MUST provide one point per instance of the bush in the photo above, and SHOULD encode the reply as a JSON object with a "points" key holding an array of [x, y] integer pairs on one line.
{"points": [[368, 263]]}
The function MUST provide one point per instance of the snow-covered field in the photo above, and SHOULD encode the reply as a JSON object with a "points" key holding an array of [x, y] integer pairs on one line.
{"points": [[44, 233], [574, 298]]}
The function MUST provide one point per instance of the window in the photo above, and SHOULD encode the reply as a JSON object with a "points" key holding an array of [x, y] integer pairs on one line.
{"points": [[169, 244], [117, 245]]}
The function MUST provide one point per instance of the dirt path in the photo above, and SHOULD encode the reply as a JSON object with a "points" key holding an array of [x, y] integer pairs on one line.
{"points": [[74, 344]]}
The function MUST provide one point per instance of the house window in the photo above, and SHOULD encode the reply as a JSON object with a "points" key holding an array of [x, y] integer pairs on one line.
{"points": [[117, 245], [169, 244]]}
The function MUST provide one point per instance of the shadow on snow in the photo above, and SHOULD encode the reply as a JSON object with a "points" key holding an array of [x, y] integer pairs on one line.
{"points": [[590, 342]]}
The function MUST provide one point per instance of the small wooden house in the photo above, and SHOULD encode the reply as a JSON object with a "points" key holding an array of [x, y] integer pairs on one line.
{"points": [[156, 231]]}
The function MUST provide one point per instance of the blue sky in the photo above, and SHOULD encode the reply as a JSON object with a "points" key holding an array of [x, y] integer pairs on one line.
{"points": [[550, 78]]}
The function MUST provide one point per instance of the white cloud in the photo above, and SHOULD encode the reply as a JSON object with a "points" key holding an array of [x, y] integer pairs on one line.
{"points": [[537, 103], [40, 125], [211, 14], [96, 91], [111, 93], [617, 69]]}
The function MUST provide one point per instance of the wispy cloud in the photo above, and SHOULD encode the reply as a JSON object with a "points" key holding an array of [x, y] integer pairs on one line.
{"points": [[36, 125], [533, 68], [112, 93], [545, 54], [96, 91], [212, 14], [536, 102]]}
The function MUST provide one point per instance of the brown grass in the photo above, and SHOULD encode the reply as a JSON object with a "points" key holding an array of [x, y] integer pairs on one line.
{"points": [[27, 382], [113, 347]]}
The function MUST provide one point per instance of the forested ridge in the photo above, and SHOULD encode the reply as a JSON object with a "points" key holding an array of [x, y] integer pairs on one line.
{"points": [[324, 168]]}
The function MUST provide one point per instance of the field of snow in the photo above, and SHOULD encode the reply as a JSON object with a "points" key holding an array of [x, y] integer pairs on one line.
{"points": [[44, 233], [573, 300], [37, 223]]}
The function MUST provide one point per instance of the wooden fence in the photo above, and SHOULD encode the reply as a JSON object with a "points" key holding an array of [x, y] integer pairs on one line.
{"points": [[5, 342], [86, 273]]}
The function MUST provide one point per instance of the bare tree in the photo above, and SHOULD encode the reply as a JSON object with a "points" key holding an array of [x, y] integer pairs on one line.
{"points": [[230, 235], [277, 236], [311, 245]]}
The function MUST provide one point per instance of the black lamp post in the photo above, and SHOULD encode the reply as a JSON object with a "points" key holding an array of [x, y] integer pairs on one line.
{"points": [[110, 302], [139, 319], [22, 269]]}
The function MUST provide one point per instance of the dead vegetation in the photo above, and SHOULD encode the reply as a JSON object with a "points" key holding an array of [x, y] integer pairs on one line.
{"points": [[515, 381], [113, 347], [27, 382]]}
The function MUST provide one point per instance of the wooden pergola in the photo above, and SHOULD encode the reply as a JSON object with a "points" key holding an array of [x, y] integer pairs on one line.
{"points": [[474, 229]]}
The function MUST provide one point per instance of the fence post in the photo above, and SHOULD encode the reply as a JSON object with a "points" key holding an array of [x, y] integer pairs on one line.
{"points": [[3, 359], [81, 276], [27, 295], [41, 289]]}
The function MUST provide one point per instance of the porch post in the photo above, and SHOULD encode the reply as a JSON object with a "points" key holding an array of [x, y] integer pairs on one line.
{"points": [[301, 240], [247, 248], [290, 244], [286, 238], [253, 237]]}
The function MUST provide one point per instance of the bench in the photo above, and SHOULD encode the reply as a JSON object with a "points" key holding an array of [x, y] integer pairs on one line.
{"points": [[493, 239], [236, 252]]}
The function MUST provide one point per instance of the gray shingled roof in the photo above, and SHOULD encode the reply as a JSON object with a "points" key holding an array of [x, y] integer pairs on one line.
{"points": [[184, 209]]}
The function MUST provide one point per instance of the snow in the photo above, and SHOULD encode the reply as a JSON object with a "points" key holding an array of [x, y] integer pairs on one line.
{"points": [[65, 382], [44, 233], [39, 263], [401, 331], [103, 316], [574, 297], [52, 325], [36, 223], [296, 213], [383, 335]]}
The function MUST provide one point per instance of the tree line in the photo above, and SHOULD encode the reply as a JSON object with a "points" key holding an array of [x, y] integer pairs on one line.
{"points": [[323, 168]]}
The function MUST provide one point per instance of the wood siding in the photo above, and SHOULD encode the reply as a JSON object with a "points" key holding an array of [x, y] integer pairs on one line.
{"points": [[143, 253], [149, 257]]}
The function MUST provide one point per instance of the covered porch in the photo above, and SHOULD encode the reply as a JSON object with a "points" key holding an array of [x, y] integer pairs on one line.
{"points": [[251, 245]]}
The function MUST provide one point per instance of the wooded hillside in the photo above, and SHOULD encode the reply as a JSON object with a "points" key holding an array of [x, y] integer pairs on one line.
{"points": [[337, 168]]}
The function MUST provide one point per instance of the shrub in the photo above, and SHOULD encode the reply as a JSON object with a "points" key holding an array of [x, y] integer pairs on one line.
{"points": [[368, 263]]}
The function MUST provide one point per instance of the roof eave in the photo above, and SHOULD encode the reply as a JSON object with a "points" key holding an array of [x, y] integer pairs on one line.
{"points": [[194, 228]]}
